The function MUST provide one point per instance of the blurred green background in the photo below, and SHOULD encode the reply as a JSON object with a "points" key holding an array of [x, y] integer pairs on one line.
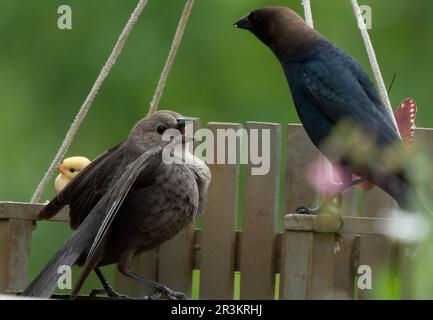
{"points": [[220, 74]]}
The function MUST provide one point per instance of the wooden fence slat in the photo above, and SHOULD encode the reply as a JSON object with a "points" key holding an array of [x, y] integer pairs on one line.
{"points": [[300, 153], [349, 203], [376, 252], [15, 242], [260, 221], [28, 211], [219, 223], [175, 261], [351, 225], [310, 275], [344, 272], [377, 203], [175, 257]]}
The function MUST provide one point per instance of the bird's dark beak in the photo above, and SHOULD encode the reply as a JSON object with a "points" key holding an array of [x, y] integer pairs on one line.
{"points": [[182, 123], [243, 23]]}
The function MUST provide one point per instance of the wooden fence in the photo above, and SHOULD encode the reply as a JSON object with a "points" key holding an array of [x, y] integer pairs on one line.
{"points": [[312, 263]]}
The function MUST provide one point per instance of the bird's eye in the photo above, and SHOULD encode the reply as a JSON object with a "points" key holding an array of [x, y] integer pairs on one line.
{"points": [[72, 170], [161, 129]]}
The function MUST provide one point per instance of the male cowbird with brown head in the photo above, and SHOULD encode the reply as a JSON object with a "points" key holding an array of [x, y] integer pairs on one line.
{"points": [[328, 86], [127, 201]]}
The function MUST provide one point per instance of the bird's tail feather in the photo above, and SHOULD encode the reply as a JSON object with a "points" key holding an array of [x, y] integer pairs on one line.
{"points": [[45, 283], [77, 245]]}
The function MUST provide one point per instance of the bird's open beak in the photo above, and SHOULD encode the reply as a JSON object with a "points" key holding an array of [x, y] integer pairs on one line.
{"points": [[62, 168], [181, 124], [243, 23]]}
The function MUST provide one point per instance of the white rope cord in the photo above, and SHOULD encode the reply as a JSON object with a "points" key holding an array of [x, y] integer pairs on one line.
{"points": [[171, 56], [88, 102], [373, 60], [308, 13]]}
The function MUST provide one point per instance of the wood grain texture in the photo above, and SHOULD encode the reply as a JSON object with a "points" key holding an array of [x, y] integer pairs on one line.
{"points": [[219, 223], [257, 260], [344, 273], [307, 269], [351, 225], [175, 261], [344, 270], [377, 203], [28, 211], [300, 153], [15, 241], [376, 252]]}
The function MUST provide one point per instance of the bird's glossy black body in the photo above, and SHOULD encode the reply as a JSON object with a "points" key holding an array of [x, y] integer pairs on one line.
{"points": [[328, 86]]}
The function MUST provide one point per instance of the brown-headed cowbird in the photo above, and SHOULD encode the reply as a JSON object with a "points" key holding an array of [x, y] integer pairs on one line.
{"points": [[329, 86], [127, 201]]}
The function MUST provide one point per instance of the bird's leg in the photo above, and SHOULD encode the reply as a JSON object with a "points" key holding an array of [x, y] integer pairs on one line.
{"points": [[160, 288], [303, 209], [108, 289]]}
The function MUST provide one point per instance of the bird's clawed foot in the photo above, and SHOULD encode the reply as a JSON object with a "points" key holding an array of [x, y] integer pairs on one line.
{"points": [[164, 292], [161, 290], [303, 209], [109, 292]]}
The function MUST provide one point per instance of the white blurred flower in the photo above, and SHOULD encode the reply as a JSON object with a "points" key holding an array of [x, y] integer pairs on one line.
{"points": [[408, 227]]}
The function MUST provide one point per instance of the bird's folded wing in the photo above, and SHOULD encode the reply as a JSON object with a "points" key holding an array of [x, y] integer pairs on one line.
{"points": [[112, 201], [345, 93], [93, 178]]}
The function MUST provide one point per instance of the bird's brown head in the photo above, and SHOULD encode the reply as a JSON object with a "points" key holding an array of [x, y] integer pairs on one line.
{"points": [[280, 28], [155, 130]]}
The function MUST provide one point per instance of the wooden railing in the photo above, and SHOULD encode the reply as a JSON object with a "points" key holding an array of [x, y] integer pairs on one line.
{"points": [[312, 263]]}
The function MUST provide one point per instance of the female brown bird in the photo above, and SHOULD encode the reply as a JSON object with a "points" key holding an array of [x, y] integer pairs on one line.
{"points": [[127, 201]]}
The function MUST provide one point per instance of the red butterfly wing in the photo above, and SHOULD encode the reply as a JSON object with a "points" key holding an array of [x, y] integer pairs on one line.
{"points": [[405, 117]]}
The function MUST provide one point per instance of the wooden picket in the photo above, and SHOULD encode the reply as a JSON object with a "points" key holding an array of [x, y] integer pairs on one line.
{"points": [[317, 257], [219, 228], [259, 231]]}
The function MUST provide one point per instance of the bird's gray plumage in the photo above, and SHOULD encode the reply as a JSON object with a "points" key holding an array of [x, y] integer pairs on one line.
{"points": [[125, 202]]}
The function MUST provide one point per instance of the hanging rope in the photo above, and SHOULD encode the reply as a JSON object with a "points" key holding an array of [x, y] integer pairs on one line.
{"points": [[308, 13], [172, 54], [88, 102], [373, 60], [370, 51]]}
